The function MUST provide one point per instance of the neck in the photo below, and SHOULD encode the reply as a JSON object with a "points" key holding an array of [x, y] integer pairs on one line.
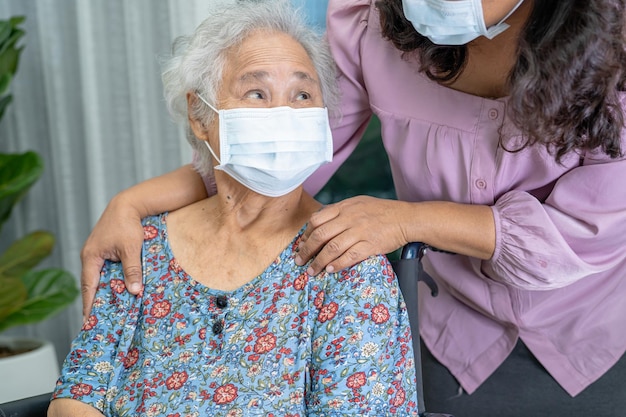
{"points": [[490, 61], [237, 209], [226, 240]]}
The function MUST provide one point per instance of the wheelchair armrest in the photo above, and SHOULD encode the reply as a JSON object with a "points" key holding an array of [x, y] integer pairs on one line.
{"points": [[36, 406]]}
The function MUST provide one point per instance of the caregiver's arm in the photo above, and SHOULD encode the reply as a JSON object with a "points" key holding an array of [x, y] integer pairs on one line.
{"points": [[577, 231], [347, 232], [118, 235]]}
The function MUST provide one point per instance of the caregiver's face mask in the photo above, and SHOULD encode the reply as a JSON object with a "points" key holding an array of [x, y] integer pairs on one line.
{"points": [[452, 22], [272, 150]]}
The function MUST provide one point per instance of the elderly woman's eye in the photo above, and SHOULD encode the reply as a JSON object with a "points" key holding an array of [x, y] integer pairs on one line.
{"points": [[303, 96], [255, 94]]}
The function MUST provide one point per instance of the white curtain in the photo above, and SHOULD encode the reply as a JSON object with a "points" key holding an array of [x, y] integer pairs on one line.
{"points": [[87, 97]]}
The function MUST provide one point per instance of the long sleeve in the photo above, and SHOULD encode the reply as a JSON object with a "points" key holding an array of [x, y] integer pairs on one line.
{"points": [[579, 230], [93, 357]]}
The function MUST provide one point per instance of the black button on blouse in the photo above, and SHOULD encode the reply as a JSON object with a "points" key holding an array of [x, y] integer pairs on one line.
{"points": [[218, 327], [221, 301]]}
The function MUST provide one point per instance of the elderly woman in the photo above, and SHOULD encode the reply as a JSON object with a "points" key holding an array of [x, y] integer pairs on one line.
{"points": [[227, 324]]}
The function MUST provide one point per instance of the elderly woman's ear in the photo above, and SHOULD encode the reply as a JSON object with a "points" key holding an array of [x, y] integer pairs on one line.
{"points": [[199, 127]]}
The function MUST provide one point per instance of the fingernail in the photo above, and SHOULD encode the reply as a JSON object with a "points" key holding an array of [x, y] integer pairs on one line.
{"points": [[310, 271], [135, 288], [299, 260], [330, 269]]}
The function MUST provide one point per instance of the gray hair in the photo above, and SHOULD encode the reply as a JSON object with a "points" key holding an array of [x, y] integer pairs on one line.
{"points": [[197, 61]]}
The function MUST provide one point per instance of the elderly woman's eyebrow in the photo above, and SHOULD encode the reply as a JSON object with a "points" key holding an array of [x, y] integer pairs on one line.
{"points": [[306, 77], [263, 75]]}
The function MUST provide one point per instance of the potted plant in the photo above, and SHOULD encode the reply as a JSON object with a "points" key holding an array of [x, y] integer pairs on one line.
{"points": [[26, 295]]}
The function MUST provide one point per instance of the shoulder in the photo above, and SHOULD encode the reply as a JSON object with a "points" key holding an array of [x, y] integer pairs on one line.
{"points": [[153, 226], [154, 239], [353, 289], [154, 233], [348, 21], [374, 275], [349, 18], [357, 298], [355, 9]]}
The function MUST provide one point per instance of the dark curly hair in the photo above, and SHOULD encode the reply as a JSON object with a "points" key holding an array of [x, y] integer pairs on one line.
{"points": [[564, 88]]}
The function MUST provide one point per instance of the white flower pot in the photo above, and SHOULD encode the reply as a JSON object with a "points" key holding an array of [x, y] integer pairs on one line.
{"points": [[27, 374]]}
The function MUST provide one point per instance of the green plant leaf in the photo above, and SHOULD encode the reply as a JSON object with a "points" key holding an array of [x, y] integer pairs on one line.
{"points": [[16, 20], [4, 102], [26, 296], [5, 31], [10, 34], [8, 39], [9, 60], [18, 172], [5, 81], [24, 254], [49, 291], [13, 39], [13, 294]]}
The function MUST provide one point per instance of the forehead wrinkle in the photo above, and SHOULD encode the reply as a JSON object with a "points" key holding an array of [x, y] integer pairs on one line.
{"points": [[263, 75], [254, 75]]}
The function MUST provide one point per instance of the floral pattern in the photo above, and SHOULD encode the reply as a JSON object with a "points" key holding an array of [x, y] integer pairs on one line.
{"points": [[285, 344]]}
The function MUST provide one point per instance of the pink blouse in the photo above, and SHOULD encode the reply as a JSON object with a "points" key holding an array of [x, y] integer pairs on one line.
{"points": [[557, 278]]}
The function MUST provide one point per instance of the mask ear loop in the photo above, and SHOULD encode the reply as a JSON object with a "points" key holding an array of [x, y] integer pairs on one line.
{"points": [[212, 153], [206, 102], [519, 3], [206, 142], [500, 27]]}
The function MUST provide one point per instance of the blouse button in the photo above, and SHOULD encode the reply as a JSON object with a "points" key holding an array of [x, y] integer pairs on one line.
{"points": [[218, 327], [493, 114], [482, 184], [221, 301]]}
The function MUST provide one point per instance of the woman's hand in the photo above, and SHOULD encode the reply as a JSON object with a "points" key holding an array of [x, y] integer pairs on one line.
{"points": [[345, 233], [117, 236]]}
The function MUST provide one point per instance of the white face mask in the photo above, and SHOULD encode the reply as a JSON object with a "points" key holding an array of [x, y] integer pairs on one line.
{"points": [[272, 150], [451, 22]]}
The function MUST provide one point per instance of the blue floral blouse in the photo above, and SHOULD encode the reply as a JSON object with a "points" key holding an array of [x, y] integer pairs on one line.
{"points": [[285, 344]]}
